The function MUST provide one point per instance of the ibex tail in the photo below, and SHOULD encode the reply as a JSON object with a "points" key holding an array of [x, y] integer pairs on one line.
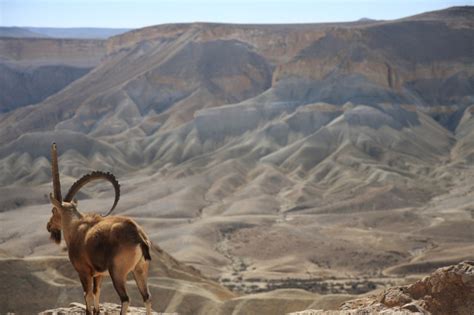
{"points": [[145, 245]]}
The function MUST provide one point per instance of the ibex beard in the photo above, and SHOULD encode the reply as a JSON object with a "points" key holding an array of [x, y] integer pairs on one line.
{"points": [[99, 245]]}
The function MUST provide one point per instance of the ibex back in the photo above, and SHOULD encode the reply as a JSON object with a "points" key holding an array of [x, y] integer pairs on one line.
{"points": [[99, 245]]}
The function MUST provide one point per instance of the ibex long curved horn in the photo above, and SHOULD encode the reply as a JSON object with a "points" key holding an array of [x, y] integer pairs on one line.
{"points": [[55, 173], [91, 177]]}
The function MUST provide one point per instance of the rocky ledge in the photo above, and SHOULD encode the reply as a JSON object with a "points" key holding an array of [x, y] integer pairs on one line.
{"points": [[105, 309], [448, 290]]}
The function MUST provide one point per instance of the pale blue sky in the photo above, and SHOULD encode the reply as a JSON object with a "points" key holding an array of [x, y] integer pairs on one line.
{"points": [[139, 13]]}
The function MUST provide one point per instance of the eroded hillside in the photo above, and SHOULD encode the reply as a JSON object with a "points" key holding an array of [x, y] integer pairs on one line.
{"points": [[331, 157]]}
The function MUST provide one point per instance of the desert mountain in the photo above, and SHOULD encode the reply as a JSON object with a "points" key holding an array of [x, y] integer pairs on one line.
{"points": [[17, 32], [333, 157], [78, 32], [56, 32]]}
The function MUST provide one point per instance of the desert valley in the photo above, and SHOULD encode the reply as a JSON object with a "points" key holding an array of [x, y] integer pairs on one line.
{"points": [[276, 168]]}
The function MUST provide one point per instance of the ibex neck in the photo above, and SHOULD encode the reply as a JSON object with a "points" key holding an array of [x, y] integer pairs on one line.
{"points": [[67, 220]]}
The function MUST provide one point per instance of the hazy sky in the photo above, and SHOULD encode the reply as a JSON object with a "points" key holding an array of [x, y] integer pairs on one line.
{"points": [[139, 13]]}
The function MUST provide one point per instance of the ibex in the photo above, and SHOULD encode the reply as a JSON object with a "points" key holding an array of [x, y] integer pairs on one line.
{"points": [[98, 245]]}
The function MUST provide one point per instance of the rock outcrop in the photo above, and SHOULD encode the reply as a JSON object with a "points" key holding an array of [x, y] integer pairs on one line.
{"points": [[448, 290], [105, 308]]}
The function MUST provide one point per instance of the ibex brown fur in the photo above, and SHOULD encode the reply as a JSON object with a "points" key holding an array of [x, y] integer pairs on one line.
{"points": [[98, 245]]}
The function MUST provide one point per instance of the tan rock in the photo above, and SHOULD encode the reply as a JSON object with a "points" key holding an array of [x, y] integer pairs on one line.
{"points": [[448, 290]]}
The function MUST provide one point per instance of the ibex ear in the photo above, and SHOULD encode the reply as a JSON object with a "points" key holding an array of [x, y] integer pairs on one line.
{"points": [[74, 202], [53, 201]]}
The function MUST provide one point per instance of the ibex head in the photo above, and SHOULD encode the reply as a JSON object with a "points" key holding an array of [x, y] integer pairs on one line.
{"points": [[54, 225]]}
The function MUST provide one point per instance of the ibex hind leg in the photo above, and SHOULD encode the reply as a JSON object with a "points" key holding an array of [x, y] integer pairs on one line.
{"points": [[119, 279], [140, 273]]}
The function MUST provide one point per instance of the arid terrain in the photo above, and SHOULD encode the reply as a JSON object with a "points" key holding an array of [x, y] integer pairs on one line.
{"points": [[294, 166]]}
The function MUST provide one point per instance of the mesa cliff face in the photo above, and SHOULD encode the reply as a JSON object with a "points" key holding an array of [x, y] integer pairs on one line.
{"points": [[34, 68], [47, 51]]}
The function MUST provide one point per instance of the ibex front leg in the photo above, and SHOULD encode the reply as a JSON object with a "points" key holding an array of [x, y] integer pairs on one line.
{"points": [[86, 281], [96, 291]]}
